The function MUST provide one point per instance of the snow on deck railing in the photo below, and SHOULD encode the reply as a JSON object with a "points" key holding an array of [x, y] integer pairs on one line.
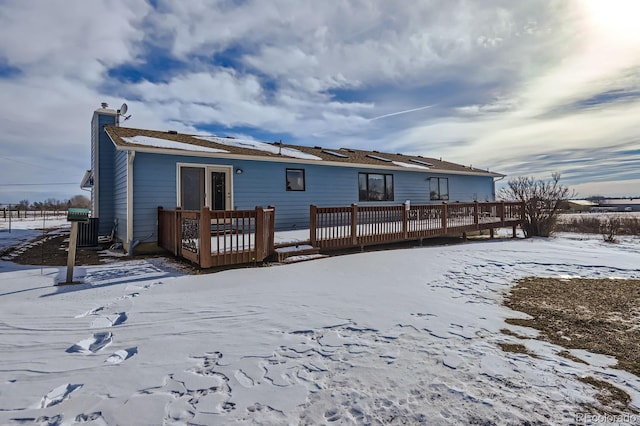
{"points": [[340, 227]]}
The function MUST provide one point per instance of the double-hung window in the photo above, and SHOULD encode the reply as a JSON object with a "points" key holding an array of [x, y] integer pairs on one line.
{"points": [[439, 188]]}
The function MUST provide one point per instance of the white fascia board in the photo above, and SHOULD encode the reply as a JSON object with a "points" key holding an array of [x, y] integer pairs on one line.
{"points": [[86, 179], [232, 156]]}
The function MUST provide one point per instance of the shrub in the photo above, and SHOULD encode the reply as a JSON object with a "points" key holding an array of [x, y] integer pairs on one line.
{"points": [[542, 202], [610, 228]]}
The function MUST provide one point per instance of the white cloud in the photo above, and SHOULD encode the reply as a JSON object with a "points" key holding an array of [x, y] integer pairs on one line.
{"points": [[79, 38], [612, 188], [508, 80]]}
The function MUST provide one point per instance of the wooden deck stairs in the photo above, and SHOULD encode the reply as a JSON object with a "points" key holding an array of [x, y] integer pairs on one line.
{"points": [[297, 252]]}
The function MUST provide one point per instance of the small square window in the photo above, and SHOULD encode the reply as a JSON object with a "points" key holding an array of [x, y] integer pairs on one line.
{"points": [[295, 180]]}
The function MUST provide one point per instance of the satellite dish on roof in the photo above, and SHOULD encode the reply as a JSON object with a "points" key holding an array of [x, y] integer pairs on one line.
{"points": [[121, 112]]}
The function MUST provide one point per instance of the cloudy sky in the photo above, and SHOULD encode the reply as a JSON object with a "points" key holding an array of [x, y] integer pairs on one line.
{"points": [[525, 88]]}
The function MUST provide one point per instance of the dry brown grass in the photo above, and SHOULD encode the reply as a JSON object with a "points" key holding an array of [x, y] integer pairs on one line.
{"points": [[599, 315]]}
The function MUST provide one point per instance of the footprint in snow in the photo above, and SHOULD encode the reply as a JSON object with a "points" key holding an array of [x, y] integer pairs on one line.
{"points": [[57, 395], [85, 418], [122, 355], [93, 344], [110, 320], [244, 379]]}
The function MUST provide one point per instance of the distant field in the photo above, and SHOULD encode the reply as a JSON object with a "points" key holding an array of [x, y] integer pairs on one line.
{"points": [[599, 215], [31, 222], [626, 223]]}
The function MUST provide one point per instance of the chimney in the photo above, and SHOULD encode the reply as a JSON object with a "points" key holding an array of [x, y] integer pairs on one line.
{"points": [[104, 105]]}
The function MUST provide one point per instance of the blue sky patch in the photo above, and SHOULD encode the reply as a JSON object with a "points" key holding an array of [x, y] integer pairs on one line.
{"points": [[608, 97], [7, 70], [157, 66]]}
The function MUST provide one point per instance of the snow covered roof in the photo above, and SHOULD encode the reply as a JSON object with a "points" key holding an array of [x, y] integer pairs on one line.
{"points": [[226, 147], [260, 146], [582, 203], [164, 143]]}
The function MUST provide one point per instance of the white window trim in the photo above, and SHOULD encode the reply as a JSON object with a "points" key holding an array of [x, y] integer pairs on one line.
{"points": [[207, 182]]}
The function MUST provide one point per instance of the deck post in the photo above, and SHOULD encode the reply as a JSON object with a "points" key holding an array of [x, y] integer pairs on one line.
{"points": [[313, 223], [204, 248], [444, 218], [405, 220], [259, 234], [491, 231], [475, 213], [502, 213], [178, 230], [354, 224], [269, 231]]}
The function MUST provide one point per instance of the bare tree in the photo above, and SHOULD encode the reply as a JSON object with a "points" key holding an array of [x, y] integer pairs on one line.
{"points": [[80, 201], [542, 200]]}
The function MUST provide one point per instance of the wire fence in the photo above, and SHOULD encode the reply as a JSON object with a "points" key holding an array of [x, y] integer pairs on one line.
{"points": [[7, 214]]}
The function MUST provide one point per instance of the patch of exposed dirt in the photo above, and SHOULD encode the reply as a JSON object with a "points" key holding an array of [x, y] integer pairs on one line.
{"points": [[50, 249], [598, 315], [516, 348]]}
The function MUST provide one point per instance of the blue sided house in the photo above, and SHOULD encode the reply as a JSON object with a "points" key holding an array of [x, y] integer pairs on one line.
{"points": [[134, 171]]}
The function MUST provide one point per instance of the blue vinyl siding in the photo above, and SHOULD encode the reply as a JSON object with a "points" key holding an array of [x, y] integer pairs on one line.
{"points": [[469, 188], [154, 177], [262, 183], [120, 194]]}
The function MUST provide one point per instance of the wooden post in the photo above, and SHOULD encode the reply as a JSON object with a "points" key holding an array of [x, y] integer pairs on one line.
{"points": [[270, 230], [475, 213], [514, 230], [204, 231], [491, 233], [178, 232], [501, 207], [444, 218], [405, 222], [71, 258], [313, 223], [259, 234], [354, 224]]}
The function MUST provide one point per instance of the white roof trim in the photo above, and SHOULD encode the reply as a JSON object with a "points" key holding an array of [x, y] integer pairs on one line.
{"points": [[87, 179], [232, 156]]}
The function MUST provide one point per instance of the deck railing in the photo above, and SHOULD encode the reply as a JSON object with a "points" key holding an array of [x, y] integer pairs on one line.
{"points": [[343, 227], [217, 238]]}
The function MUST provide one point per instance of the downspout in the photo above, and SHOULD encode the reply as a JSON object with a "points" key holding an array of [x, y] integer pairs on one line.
{"points": [[131, 244]]}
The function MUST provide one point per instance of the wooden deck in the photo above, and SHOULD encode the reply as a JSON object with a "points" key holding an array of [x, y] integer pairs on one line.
{"points": [[220, 238], [217, 238], [335, 228]]}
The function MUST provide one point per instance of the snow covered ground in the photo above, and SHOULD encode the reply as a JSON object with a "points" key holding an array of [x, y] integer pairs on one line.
{"points": [[22, 230], [383, 337]]}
